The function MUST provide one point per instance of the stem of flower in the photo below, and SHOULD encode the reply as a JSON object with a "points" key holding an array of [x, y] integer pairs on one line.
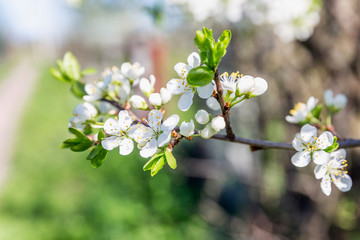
{"points": [[224, 109]]}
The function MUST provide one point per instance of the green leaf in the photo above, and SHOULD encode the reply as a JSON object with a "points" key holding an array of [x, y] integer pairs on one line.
{"points": [[200, 76], [333, 147], [78, 144], [78, 133], [71, 66], [158, 165], [57, 75], [152, 160], [78, 89], [88, 71], [317, 110], [97, 156], [84, 145], [170, 159]]}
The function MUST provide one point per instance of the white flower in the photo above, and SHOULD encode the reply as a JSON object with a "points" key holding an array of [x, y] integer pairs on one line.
{"points": [[84, 111], [213, 104], [181, 86], [146, 86], [156, 135], [218, 123], [334, 171], [132, 71], [121, 133], [311, 147], [138, 102], [115, 84], [207, 132], [335, 103], [251, 86], [228, 83], [187, 128], [301, 111], [165, 95], [94, 91], [155, 99], [202, 116]]}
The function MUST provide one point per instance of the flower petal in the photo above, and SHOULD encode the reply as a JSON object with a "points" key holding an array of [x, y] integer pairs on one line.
{"points": [[320, 171], [325, 140], [126, 146], [245, 84], [170, 123], [311, 103], [343, 182], [321, 157], [176, 86], [308, 133], [297, 143], [149, 149], [206, 91], [180, 69], [164, 138], [260, 86], [213, 104], [186, 101], [301, 159], [111, 126], [110, 143], [125, 120], [328, 97], [338, 155], [194, 60], [326, 186], [154, 119]]}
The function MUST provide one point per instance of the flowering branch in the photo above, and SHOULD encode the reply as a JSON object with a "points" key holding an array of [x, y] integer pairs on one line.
{"points": [[225, 110]]}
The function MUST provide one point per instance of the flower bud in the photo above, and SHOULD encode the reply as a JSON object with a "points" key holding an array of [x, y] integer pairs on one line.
{"points": [[207, 132], [336, 103], [202, 116], [251, 86], [146, 86], [138, 102], [155, 99], [187, 128], [218, 123], [165, 95]]}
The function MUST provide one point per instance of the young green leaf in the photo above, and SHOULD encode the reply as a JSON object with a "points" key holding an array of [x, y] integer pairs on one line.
{"points": [[170, 159], [97, 156], [88, 71], [200, 76], [57, 75], [78, 89], [78, 144], [158, 165], [333, 147], [152, 160], [71, 66]]}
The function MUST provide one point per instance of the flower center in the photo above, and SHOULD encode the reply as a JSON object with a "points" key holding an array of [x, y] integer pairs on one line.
{"points": [[297, 108]]}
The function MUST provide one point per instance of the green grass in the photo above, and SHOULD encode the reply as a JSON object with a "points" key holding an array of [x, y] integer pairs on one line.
{"points": [[53, 193]]}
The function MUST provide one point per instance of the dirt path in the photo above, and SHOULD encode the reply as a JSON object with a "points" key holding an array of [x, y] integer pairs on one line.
{"points": [[15, 90]]}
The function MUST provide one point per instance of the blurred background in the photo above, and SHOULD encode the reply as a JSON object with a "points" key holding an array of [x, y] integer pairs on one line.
{"points": [[219, 190]]}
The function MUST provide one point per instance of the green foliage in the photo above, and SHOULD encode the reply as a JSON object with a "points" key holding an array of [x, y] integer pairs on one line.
{"points": [[69, 72], [157, 162], [333, 147], [211, 52], [78, 144], [317, 111], [98, 153], [200, 76]]}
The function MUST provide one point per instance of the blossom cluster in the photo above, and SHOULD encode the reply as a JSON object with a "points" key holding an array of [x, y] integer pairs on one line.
{"points": [[322, 150]]}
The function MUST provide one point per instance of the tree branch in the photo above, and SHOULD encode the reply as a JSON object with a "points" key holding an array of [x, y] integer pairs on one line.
{"points": [[224, 108]]}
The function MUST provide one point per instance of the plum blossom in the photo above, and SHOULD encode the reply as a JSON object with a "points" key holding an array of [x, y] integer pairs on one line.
{"points": [[335, 103], [181, 86], [138, 102], [334, 171], [187, 128], [121, 133], [309, 146], [82, 112], [156, 135], [250, 86], [147, 85], [213, 127], [132, 71], [301, 111], [155, 99]]}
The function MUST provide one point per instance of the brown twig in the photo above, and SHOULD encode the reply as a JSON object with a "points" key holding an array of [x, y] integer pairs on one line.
{"points": [[225, 110]]}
